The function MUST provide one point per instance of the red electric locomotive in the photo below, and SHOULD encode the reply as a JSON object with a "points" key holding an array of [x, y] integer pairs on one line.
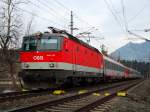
{"points": [[55, 58], [49, 59]]}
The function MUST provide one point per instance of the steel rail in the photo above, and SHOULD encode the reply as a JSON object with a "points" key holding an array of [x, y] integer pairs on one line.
{"points": [[48, 104], [23, 94], [89, 107]]}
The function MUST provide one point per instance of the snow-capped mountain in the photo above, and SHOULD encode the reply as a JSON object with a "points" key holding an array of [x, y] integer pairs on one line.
{"points": [[133, 51]]}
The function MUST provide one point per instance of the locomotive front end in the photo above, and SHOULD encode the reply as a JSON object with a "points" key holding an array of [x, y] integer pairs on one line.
{"points": [[39, 60]]}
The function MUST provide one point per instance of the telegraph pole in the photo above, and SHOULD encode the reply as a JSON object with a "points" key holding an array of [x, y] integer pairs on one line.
{"points": [[71, 23]]}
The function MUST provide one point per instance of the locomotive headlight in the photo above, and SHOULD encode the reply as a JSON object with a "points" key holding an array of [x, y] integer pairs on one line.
{"points": [[26, 65], [51, 65]]}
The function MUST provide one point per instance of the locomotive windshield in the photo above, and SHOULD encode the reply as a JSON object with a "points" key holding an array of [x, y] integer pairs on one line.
{"points": [[40, 44]]}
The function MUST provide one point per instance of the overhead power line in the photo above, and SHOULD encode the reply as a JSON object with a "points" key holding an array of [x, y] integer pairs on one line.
{"points": [[114, 15], [139, 12], [139, 36], [62, 5], [124, 15], [42, 18], [45, 5], [32, 3], [75, 14], [115, 11], [56, 13], [77, 17], [50, 11]]}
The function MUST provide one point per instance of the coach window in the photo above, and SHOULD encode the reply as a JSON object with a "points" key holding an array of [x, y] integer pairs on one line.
{"points": [[106, 64], [121, 69], [112, 66], [109, 65], [117, 67]]}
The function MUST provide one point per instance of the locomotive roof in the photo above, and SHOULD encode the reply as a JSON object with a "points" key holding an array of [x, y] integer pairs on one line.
{"points": [[68, 36], [82, 42], [46, 34]]}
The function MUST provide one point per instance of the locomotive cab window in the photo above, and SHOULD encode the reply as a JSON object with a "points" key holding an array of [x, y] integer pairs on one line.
{"points": [[41, 44], [29, 44], [47, 44]]}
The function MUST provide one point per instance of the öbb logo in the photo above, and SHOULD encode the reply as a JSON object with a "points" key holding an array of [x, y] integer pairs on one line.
{"points": [[37, 57]]}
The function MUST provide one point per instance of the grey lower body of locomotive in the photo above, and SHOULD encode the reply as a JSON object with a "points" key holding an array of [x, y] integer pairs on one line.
{"points": [[36, 79]]}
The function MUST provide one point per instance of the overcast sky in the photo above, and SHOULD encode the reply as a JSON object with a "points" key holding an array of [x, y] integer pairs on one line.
{"points": [[106, 16]]}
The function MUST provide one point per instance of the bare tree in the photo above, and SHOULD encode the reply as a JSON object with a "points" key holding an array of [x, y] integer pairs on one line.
{"points": [[11, 23], [10, 28], [103, 50], [29, 26]]}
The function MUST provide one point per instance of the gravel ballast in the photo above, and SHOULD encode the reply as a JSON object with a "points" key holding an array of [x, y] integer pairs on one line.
{"points": [[137, 100]]}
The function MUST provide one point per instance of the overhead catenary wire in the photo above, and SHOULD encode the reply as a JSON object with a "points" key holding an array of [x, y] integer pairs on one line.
{"points": [[114, 15], [67, 20], [42, 18], [139, 12], [115, 11], [53, 22], [139, 36], [45, 5], [124, 15], [62, 5], [68, 10], [32, 3], [57, 14], [75, 15], [50, 11], [45, 10], [126, 25]]}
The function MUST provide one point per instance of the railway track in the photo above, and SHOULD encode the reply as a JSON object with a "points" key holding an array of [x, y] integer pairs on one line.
{"points": [[23, 94], [85, 102], [10, 96]]}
